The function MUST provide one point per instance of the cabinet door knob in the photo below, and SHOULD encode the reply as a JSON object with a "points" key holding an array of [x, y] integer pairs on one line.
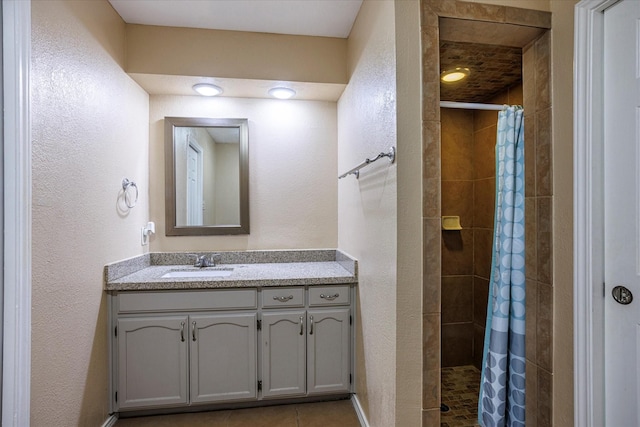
{"points": [[193, 330], [330, 297], [311, 325], [301, 325], [283, 299]]}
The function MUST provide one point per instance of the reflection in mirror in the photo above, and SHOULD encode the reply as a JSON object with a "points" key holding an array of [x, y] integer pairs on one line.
{"points": [[206, 170], [207, 175]]}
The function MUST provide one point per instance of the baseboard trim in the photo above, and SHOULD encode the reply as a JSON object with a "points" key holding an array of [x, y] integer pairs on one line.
{"points": [[358, 408], [111, 421]]}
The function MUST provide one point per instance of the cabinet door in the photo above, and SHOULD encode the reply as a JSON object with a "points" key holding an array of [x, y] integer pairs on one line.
{"points": [[283, 353], [328, 348], [152, 361], [223, 357]]}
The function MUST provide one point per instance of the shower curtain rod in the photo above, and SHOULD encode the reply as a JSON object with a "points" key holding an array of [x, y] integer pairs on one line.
{"points": [[471, 106]]}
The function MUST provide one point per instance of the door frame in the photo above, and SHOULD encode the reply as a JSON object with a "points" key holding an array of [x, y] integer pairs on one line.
{"points": [[193, 144], [16, 188], [588, 213]]}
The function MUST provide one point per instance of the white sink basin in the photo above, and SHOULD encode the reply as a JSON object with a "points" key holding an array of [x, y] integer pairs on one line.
{"points": [[180, 274]]}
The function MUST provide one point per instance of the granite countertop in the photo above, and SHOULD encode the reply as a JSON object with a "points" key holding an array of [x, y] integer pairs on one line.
{"points": [[283, 268]]}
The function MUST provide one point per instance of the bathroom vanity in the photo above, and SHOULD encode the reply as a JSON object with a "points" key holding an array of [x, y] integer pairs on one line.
{"points": [[259, 327]]}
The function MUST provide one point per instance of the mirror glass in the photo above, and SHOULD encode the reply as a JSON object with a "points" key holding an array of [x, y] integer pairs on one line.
{"points": [[207, 176]]}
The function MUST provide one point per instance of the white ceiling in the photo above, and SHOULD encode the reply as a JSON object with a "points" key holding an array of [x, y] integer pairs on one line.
{"points": [[326, 18]]}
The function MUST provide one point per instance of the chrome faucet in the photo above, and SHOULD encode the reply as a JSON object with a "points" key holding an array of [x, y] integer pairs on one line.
{"points": [[207, 260]]}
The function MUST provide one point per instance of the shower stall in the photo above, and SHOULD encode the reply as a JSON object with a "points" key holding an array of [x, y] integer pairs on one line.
{"points": [[499, 73], [468, 191]]}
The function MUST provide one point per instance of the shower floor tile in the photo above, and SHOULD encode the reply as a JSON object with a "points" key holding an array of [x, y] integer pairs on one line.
{"points": [[460, 387]]}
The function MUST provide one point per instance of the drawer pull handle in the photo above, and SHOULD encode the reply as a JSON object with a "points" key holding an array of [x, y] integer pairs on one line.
{"points": [[283, 299], [182, 331], [330, 297], [311, 327], [301, 325], [193, 330]]}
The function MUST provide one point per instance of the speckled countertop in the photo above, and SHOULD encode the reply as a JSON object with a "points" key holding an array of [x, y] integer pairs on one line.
{"points": [[248, 269]]}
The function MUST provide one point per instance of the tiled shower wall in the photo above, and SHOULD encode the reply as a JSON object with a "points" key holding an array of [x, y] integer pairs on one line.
{"points": [[537, 103], [468, 190], [457, 246], [536, 65]]}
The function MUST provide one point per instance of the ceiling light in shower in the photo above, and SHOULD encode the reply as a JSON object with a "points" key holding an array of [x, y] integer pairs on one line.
{"points": [[207, 89], [282, 92], [454, 75]]}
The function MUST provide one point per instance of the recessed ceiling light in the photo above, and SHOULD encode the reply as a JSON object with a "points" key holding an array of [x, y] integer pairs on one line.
{"points": [[282, 92], [454, 75], [207, 89]]}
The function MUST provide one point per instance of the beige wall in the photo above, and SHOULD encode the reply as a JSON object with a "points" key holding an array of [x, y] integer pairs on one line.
{"points": [[235, 54], [292, 172], [89, 124], [409, 353], [562, 81], [227, 208], [543, 5], [367, 208]]}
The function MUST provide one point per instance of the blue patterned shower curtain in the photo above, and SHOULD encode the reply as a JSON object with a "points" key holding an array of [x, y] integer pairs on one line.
{"points": [[502, 387]]}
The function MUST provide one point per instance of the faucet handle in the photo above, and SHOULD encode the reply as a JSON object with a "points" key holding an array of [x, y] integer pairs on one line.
{"points": [[216, 259], [200, 260]]}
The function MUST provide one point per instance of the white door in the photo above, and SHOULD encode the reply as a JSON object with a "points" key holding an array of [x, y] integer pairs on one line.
{"points": [[194, 184], [223, 357], [622, 211]]}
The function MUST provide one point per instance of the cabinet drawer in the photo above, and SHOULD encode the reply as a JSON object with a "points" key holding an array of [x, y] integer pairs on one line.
{"points": [[187, 300], [283, 297], [328, 295]]}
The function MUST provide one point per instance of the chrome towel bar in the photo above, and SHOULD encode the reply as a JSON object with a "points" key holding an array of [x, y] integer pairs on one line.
{"points": [[356, 171]]}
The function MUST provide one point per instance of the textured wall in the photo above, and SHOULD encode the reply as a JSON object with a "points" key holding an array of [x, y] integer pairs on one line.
{"points": [[409, 295], [367, 208], [562, 130], [90, 130], [543, 5], [292, 172], [238, 54]]}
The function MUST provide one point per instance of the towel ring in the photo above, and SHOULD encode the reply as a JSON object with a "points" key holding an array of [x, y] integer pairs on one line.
{"points": [[126, 185]]}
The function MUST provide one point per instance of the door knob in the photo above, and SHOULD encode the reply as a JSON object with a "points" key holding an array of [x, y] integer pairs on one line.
{"points": [[622, 295]]}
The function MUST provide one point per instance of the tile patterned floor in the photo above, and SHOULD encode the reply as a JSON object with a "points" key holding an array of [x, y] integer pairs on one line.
{"points": [[322, 414], [460, 387]]}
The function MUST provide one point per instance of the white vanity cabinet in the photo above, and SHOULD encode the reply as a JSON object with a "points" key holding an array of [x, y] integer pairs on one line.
{"points": [[328, 351], [306, 351], [283, 353], [178, 348], [205, 353], [223, 357], [152, 361]]}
